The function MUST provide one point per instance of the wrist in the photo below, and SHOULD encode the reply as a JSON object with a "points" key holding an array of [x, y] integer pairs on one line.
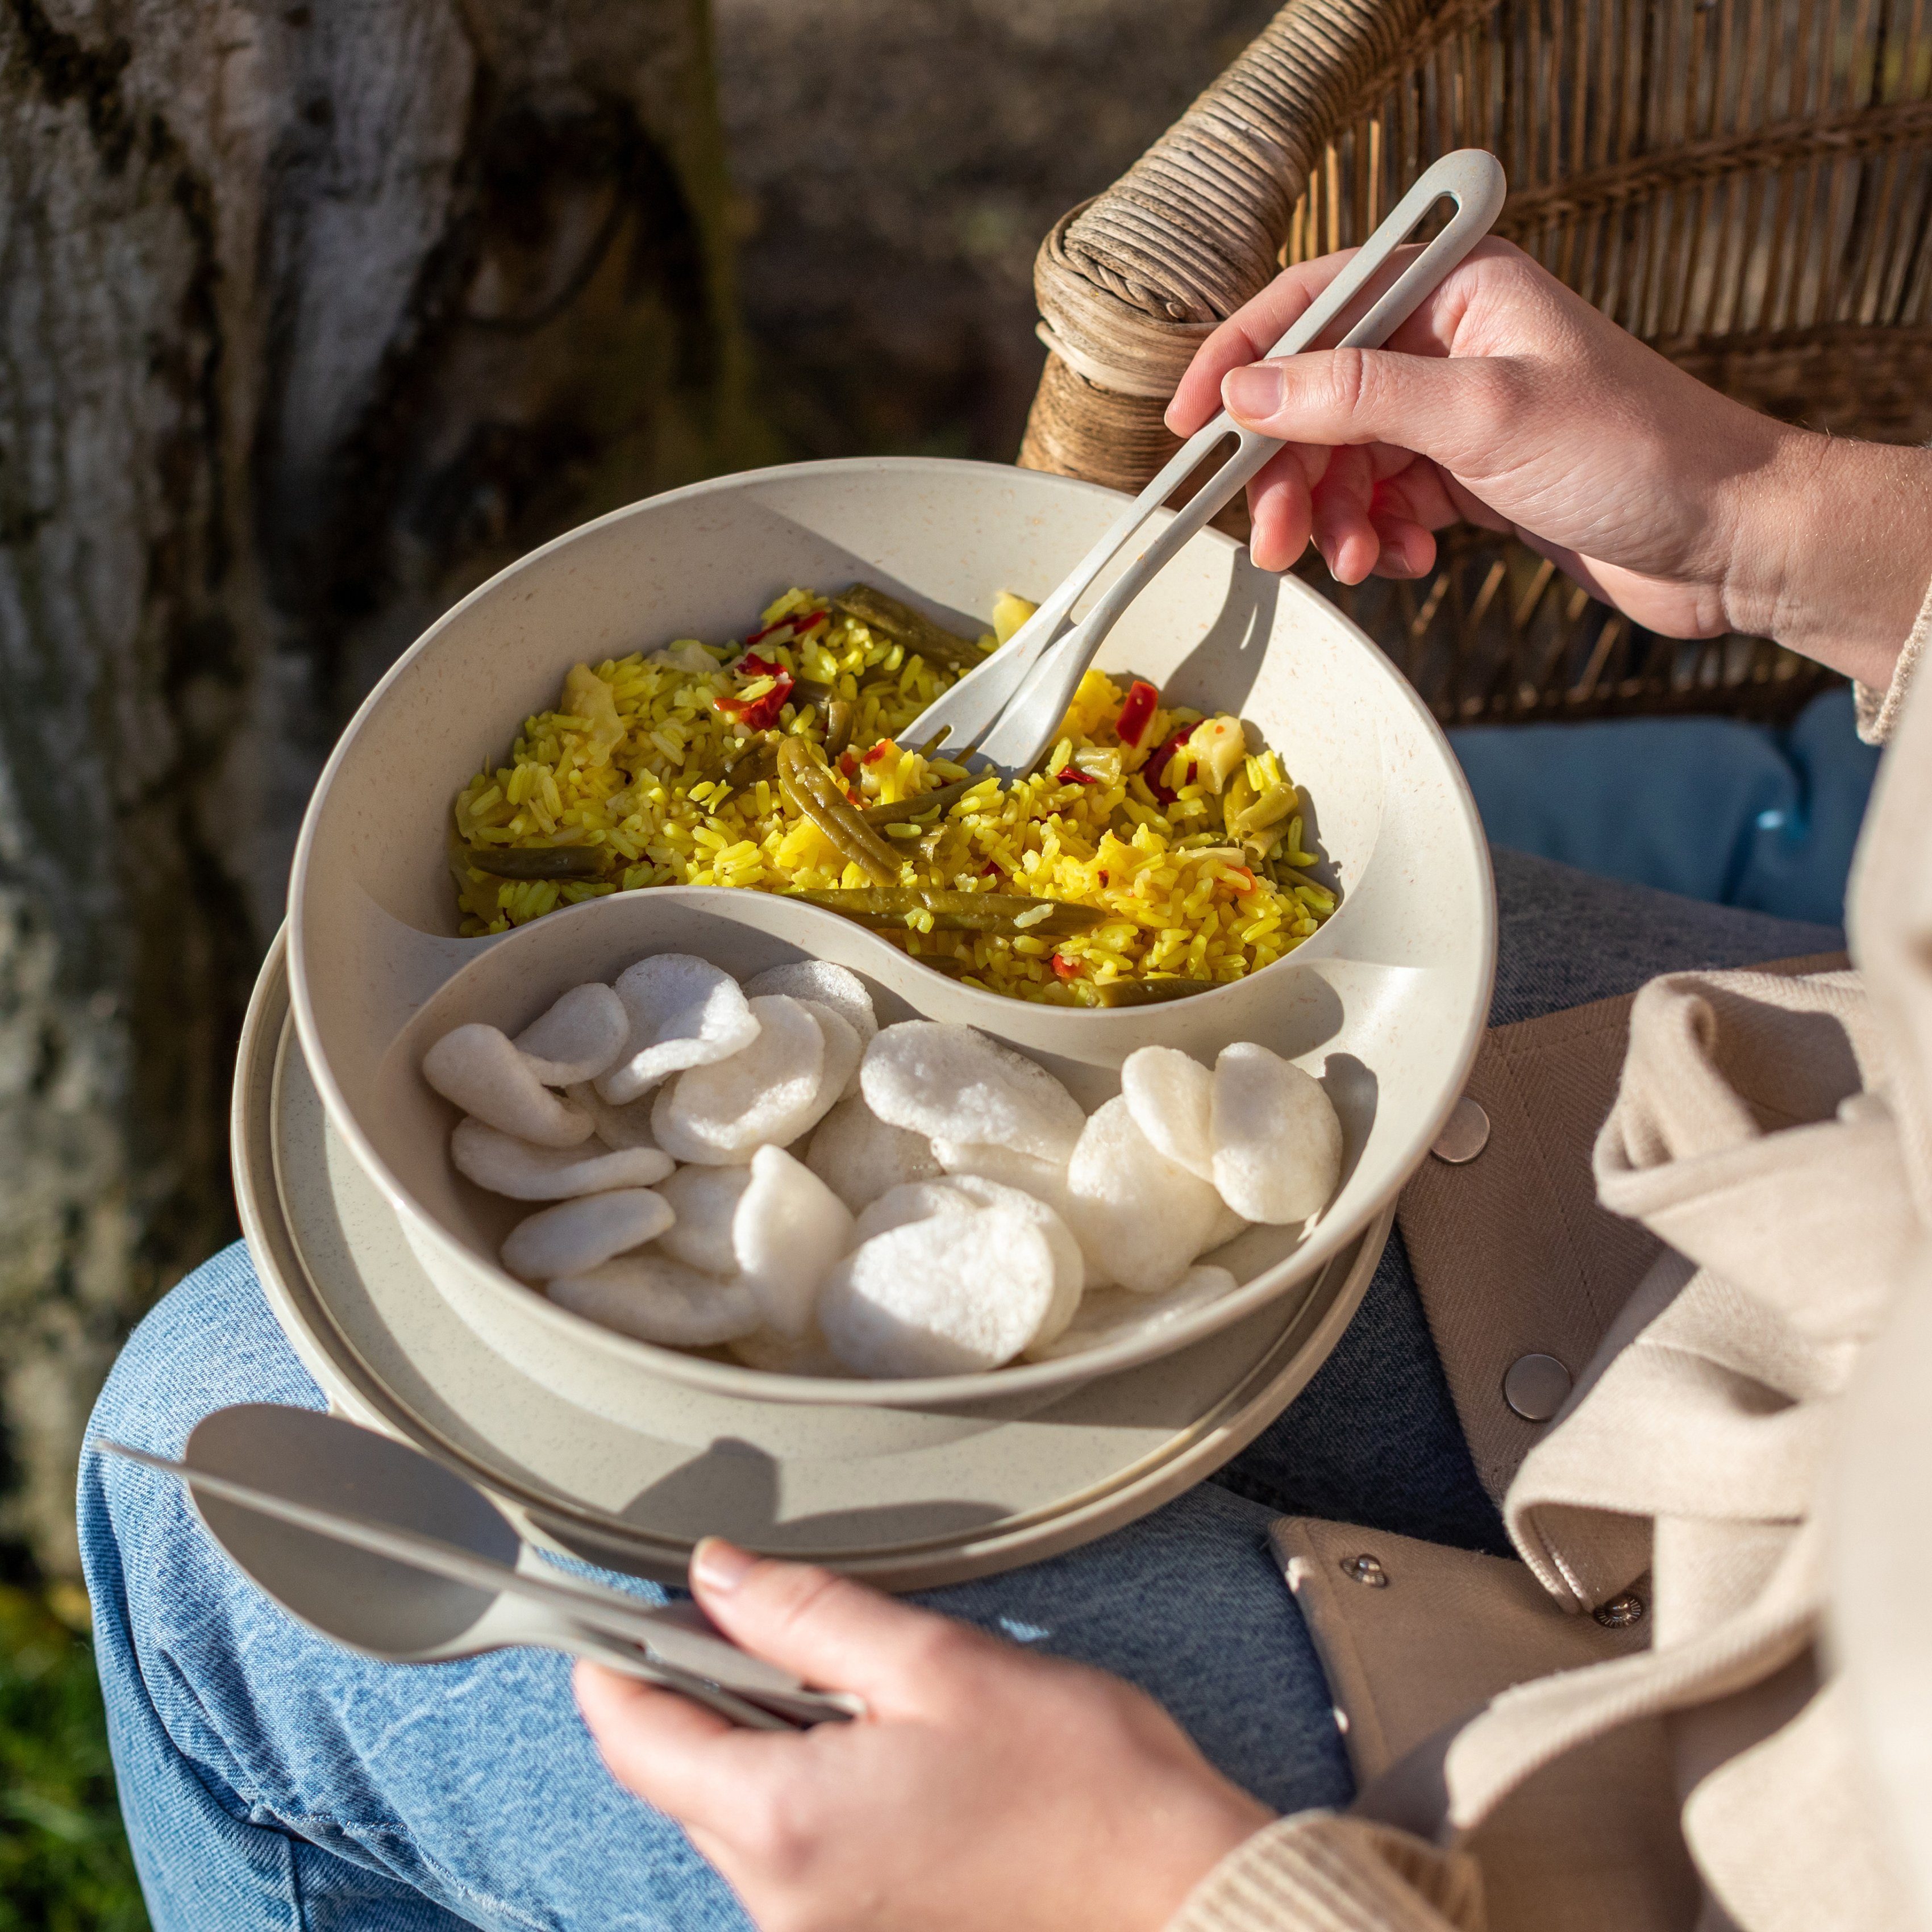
{"points": [[1193, 1841], [1831, 550]]}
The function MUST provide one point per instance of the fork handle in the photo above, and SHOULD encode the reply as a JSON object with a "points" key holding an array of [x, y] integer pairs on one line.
{"points": [[1474, 179]]}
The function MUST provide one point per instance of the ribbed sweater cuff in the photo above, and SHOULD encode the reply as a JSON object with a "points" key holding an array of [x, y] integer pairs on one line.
{"points": [[1878, 710], [1319, 1872]]}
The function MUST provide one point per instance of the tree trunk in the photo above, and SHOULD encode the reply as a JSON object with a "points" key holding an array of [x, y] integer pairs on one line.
{"points": [[311, 317]]}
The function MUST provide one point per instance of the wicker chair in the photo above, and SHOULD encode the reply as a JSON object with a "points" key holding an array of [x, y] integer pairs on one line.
{"points": [[1745, 184]]}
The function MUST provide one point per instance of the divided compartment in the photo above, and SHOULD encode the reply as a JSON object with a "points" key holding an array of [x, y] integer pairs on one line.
{"points": [[1386, 1003]]}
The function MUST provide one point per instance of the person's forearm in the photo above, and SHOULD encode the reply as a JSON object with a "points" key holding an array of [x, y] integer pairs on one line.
{"points": [[1835, 545]]}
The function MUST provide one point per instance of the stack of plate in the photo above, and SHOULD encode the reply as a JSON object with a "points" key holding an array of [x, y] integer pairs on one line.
{"points": [[381, 1263], [389, 1351]]}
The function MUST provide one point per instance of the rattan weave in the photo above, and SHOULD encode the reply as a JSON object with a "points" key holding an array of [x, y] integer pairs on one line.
{"points": [[1745, 184]]}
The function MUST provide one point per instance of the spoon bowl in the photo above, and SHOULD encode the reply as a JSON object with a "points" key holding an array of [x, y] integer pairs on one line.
{"points": [[255, 1468]]}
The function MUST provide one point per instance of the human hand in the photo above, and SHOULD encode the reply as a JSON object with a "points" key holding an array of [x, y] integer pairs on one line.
{"points": [[988, 1789], [1508, 402]]}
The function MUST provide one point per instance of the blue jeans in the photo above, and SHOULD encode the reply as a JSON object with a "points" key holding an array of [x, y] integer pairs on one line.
{"points": [[270, 1780]]}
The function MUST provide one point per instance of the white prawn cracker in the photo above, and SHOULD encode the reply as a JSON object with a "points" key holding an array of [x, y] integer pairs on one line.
{"points": [[655, 1299], [767, 1094], [480, 1069], [950, 1294], [774, 1225], [789, 1229], [579, 1036], [952, 1083], [681, 1012], [705, 1200], [844, 1050], [1277, 1137], [1147, 1214], [838, 987], [913, 1201], [505, 1165], [1172, 1097], [1228, 1224], [1069, 1266], [575, 1235], [859, 1157], [779, 1354], [1045, 1181], [628, 1126]]}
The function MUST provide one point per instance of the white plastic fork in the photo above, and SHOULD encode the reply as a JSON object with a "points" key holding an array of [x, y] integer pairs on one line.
{"points": [[1005, 714]]}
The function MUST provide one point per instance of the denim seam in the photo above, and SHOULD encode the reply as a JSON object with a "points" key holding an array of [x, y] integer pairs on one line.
{"points": [[249, 1804], [296, 1825]]}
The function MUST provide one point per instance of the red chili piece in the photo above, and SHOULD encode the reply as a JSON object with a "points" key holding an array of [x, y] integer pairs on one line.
{"points": [[1072, 775], [1065, 968], [770, 630], [1136, 713], [1152, 770], [878, 752], [805, 626], [760, 714]]}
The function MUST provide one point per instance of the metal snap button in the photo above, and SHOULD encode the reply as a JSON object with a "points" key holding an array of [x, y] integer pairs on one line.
{"points": [[1365, 1569], [1536, 1387], [1620, 1613], [1464, 1135]]}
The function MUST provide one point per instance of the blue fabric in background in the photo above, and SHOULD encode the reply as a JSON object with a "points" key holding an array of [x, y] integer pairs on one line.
{"points": [[1738, 814]]}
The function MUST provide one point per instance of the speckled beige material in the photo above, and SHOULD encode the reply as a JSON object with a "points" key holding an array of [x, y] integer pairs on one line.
{"points": [[1386, 1004], [390, 1352]]}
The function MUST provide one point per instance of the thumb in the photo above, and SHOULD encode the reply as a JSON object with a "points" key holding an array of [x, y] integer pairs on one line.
{"points": [[834, 1633], [1455, 410]]}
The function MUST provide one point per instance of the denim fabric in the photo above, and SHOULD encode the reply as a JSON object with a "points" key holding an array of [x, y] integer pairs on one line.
{"points": [[270, 1779], [1738, 814]]}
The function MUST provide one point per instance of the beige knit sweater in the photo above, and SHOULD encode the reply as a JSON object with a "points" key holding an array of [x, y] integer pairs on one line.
{"points": [[1774, 1132]]}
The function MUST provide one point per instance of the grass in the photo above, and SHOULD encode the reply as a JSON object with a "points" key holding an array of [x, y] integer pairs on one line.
{"points": [[65, 1865]]}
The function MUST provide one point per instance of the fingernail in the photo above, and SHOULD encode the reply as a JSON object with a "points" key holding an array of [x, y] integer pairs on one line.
{"points": [[719, 1565], [1253, 392]]}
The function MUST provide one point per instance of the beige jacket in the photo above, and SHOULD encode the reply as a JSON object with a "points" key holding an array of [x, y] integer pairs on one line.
{"points": [[1704, 1696]]}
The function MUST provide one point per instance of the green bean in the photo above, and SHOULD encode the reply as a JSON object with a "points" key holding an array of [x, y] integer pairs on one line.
{"points": [[904, 625], [997, 912], [1150, 992], [839, 714], [1270, 808], [757, 760], [815, 794], [1237, 800], [939, 962], [945, 796], [536, 862]]}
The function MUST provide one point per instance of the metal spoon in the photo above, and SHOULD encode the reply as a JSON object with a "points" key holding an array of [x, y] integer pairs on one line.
{"points": [[386, 1551], [1006, 713]]}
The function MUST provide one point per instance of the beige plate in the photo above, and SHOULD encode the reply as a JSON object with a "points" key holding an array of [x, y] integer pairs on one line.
{"points": [[989, 1495], [1385, 1004]]}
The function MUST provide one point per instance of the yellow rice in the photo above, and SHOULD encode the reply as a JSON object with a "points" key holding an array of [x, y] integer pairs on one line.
{"points": [[1177, 906]]}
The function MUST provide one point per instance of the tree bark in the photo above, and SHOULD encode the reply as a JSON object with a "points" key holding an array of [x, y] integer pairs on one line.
{"points": [[311, 317]]}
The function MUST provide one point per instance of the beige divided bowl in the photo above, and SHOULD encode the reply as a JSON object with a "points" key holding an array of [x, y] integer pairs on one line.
{"points": [[1386, 1004]]}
